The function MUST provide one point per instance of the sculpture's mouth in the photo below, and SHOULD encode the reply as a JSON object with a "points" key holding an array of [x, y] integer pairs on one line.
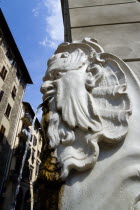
{"points": [[45, 101], [48, 95], [48, 90]]}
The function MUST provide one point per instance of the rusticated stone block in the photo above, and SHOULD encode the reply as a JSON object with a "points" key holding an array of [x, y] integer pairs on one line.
{"points": [[111, 14], [83, 3], [121, 40]]}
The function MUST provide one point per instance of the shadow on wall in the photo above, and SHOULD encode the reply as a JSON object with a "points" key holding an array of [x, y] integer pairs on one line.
{"points": [[5, 153], [9, 176], [23, 198]]}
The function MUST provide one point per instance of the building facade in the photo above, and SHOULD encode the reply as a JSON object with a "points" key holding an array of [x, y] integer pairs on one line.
{"points": [[25, 198], [15, 121]]}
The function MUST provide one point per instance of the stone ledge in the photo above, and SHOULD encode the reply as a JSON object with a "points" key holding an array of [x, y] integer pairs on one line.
{"points": [[87, 3], [111, 14]]}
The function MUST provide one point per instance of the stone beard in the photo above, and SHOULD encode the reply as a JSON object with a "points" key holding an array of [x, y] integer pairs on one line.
{"points": [[85, 103]]}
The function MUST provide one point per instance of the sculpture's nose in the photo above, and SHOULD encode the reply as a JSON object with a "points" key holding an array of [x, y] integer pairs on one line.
{"points": [[47, 86], [47, 89]]}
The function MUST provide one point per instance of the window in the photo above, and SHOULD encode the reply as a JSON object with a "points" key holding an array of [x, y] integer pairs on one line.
{"points": [[31, 138], [33, 157], [3, 72], [8, 110], [2, 132], [14, 92], [18, 74], [1, 37], [1, 94], [35, 141], [28, 154], [37, 168], [9, 55], [38, 153], [36, 126], [30, 176]]}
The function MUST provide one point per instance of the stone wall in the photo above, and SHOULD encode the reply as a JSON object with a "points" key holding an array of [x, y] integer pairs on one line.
{"points": [[114, 23]]}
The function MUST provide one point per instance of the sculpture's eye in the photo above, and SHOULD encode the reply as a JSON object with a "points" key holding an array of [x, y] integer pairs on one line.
{"points": [[56, 74]]}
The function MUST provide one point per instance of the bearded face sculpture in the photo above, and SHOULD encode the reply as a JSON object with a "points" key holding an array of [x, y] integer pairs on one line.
{"points": [[86, 102]]}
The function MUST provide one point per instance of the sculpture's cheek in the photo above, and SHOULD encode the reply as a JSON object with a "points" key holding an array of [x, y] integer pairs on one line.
{"points": [[71, 85], [74, 79]]}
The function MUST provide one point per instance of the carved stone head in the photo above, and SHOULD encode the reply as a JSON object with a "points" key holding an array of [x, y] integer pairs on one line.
{"points": [[85, 103]]}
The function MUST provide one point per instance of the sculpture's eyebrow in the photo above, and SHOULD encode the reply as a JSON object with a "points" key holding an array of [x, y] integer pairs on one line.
{"points": [[55, 73]]}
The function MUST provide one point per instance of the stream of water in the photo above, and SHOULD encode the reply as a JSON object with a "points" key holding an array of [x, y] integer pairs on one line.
{"points": [[23, 160]]}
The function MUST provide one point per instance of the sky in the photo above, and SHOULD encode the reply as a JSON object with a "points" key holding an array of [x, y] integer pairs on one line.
{"points": [[37, 28]]}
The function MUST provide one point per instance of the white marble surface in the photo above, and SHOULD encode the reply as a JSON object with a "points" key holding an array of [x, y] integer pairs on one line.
{"points": [[92, 103], [114, 183]]}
